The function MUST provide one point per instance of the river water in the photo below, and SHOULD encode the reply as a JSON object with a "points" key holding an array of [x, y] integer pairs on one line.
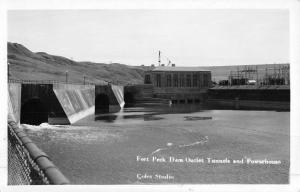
{"points": [[178, 144]]}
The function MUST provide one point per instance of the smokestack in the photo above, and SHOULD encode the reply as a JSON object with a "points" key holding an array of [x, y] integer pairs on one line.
{"points": [[158, 58]]}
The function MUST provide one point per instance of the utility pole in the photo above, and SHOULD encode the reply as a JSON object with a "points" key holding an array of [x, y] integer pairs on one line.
{"points": [[66, 76], [256, 74]]}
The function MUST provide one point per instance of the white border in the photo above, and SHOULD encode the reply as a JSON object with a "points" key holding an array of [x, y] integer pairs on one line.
{"points": [[292, 5]]}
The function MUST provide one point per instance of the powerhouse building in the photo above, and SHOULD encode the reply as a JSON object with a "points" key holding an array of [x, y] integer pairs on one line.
{"points": [[179, 84]]}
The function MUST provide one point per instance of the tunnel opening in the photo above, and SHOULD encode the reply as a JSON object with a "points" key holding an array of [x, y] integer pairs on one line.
{"points": [[34, 112], [102, 103], [128, 99]]}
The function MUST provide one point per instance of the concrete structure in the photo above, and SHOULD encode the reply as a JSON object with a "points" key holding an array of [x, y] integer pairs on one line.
{"points": [[141, 95], [34, 103], [14, 102], [265, 97], [77, 102], [179, 84], [109, 98]]}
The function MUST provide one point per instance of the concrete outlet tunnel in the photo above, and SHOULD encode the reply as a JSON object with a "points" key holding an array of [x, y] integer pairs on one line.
{"points": [[102, 103], [61, 103], [128, 98], [34, 112]]}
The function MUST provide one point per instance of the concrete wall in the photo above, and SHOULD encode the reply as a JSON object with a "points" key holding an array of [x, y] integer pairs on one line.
{"points": [[59, 103], [179, 94], [264, 94], [138, 91], [14, 102], [115, 95], [248, 104], [119, 94], [77, 101], [52, 112]]}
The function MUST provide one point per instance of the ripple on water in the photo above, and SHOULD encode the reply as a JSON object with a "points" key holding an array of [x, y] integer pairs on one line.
{"points": [[171, 146], [196, 118]]}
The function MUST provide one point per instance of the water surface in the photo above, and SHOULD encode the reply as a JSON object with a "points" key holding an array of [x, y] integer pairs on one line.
{"points": [[107, 148]]}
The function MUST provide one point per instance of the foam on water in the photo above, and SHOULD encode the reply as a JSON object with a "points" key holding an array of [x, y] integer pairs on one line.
{"points": [[53, 127], [38, 127], [69, 133]]}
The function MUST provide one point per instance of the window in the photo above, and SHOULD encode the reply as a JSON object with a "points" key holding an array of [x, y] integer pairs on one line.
{"points": [[169, 80], [147, 79], [188, 80], [200, 80], [175, 80], [195, 80], [205, 80], [181, 80], [158, 80]]}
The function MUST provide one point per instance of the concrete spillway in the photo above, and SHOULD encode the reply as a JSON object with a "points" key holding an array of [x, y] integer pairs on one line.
{"points": [[77, 102], [14, 102], [60, 103], [109, 98], [118, 92]]}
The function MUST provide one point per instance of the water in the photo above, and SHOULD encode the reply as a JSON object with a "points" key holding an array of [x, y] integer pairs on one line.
{"points": [[114, 148]]}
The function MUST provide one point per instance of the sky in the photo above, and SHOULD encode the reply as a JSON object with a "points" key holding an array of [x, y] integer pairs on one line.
{"points": [[208, 37]]}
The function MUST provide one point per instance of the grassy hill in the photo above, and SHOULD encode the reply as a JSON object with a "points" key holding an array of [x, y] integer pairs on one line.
{"points": [[27, 65]]}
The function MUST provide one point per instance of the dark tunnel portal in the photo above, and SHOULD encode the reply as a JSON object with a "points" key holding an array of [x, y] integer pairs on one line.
{"points": [[129, 99], [102, 104], [34, 112]]}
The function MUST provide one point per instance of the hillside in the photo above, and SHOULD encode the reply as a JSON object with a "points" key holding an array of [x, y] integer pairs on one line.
{"points": [[27, 65]]}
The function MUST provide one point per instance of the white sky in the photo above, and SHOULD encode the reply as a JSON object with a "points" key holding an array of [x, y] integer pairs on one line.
{"points": [[187, 37]]}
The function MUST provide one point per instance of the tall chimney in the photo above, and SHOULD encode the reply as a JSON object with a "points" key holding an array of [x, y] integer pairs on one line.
{"points": [[158, 58]]}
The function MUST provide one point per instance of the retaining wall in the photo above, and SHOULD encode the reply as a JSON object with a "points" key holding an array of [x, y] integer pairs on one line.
{"points": [[14, 102], [59, 103], [119, 94], [77, 101], [248, 104], [115, 94]]}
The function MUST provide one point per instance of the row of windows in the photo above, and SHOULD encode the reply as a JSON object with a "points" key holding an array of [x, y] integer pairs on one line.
{"points": [[181, 80]]}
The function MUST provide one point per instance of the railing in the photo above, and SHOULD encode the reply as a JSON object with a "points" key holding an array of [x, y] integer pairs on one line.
{"points": [[33, 81], [27, 164], [53, 82], [251, 87], [46, 82]]}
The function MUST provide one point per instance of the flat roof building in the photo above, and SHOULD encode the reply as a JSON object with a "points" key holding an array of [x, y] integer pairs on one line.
{"points": [[179, 84]]}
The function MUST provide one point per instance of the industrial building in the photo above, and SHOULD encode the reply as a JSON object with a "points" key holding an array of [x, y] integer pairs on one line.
{"points": [[179, 84]]}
